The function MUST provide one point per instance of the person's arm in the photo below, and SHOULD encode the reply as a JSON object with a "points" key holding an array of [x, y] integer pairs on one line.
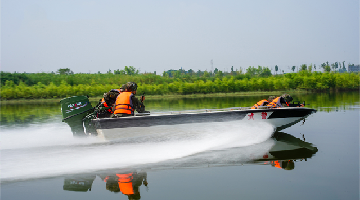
{"points": [[138, 105]]}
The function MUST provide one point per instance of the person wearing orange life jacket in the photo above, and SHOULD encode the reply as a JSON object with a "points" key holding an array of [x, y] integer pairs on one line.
{"points": [[260, 103], [263, 102], [281, 101], [126, 102], [104, 107]]}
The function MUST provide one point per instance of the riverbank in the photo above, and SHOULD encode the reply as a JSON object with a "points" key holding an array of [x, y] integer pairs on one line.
{"points": [[170, 96]]}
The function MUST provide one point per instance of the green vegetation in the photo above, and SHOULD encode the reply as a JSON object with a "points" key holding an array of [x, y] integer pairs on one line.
{"points": [[173, 82]]}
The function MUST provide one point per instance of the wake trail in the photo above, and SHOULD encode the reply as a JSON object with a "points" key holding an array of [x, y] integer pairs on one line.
{"points": [[39, 157]]}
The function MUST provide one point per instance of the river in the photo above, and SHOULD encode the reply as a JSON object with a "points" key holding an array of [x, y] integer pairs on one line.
{"points": [[317, 158]]}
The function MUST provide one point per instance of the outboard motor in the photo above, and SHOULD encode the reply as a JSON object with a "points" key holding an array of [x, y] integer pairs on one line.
{"points": [[74, 109]]}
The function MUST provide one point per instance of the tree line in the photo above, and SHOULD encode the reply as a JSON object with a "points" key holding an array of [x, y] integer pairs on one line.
{"points": [[58, 85]]}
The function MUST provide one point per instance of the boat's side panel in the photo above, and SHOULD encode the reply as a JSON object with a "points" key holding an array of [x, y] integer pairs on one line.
{"points": [[147, 121], [279, 118]]}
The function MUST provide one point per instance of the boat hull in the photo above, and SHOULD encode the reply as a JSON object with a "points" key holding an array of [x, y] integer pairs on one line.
{"points": [[279, 118]]}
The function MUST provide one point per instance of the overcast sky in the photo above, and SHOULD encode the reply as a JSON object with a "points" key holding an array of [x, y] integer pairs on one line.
{"points": [[98, 35]]}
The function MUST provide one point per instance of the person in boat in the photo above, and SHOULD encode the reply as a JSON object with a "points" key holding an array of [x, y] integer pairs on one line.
{"points": [[126, 102], [104, 108], [263, 102], [110, 97], [281, 101]]}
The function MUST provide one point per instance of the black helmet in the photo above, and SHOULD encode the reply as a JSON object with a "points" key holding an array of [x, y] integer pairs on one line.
{"points": [[287, 97], [131, 86], [122, 88]]}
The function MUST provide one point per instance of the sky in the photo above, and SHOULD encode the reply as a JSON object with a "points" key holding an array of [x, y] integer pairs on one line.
{"points": [[88, 36]]}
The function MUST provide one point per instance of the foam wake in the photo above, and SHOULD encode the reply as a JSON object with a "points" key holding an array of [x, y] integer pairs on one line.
{"points": [[51, 150]]}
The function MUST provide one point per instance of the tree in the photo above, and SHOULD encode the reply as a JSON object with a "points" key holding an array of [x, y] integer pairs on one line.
{"points": [[335, 66], [219, 74], [165, 74], [131, 70], [327, 68], [293, 68], [251, 71], [303, 67], [276, 69], [190, 72], [65, 71], [266, 72], [206, 74], [119, 71]]}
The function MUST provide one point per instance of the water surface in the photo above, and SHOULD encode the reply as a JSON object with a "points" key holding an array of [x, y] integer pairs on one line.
{"points": [[315, 159]]}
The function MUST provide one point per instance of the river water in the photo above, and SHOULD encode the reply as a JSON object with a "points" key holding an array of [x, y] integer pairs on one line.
{"points": [[317, 158]]}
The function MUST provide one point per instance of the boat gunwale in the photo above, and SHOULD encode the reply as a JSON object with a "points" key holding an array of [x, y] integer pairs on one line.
{"points": [[206, 111]]}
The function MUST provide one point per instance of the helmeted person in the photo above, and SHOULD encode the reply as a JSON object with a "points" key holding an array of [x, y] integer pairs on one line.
{"points": [[126, 102], [281, 101], [104, 108], [263, 102]]}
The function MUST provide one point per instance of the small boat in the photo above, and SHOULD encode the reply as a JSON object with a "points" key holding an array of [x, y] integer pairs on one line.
{"points": [[279, 118]]}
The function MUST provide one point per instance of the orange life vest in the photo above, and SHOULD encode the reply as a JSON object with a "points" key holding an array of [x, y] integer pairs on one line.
{"points": [[275, 103], [125, 183], [260, 103], [123, 104]]}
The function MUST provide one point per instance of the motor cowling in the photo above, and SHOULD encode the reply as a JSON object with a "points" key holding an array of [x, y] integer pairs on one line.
{"points": [[74, 106], [74, 110]]}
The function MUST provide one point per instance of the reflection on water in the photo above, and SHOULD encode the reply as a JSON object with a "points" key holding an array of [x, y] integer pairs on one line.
{"points": [[280, 151], [124, 181]]}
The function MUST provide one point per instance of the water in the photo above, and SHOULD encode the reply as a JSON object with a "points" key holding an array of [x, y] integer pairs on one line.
{"points": [[318, 159]]}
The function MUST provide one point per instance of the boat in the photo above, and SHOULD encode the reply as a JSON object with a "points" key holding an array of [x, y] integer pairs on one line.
{"points": [[79, 107]]}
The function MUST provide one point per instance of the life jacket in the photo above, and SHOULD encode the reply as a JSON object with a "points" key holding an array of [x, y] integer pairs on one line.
{"points": [[103, 102], [123, 104], [276, 103], [125, 183], [260, 103]]}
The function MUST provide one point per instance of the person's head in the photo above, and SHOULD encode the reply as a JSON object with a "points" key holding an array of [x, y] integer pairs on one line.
{"points": [[271, 98], [122, 88], [287, 98], [131, 87]]}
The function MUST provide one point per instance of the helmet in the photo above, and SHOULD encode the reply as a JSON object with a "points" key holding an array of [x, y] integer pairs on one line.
{"points": [[131, 86], [287, 97], [271, 98], [122, 88]]}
